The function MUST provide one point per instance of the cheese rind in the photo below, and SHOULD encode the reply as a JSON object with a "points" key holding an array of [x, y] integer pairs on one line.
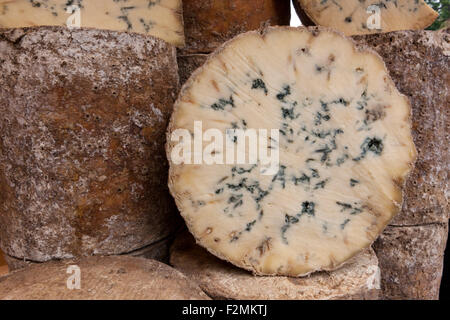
{"points": [[81, 111], [189, 63], [101, 278], [208, 24], [419, 65], [412, 261], [354, 17], [159, 18], [358, 279], [345, 149], [158, 251]]}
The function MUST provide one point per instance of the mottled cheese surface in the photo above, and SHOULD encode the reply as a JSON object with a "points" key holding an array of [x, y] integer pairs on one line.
{"points": [[345, 148], [159, 18], [354, 17]]}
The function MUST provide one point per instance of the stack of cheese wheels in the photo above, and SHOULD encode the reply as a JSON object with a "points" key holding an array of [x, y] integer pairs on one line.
{"points": [[100, 278], [208, 24], [87, 88], [354, 17], [83, 115], [344, 151]]}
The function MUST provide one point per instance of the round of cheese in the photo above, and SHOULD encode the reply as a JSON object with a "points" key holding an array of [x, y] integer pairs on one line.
{"points": [[99, 278], [337, 134], [83, 116], [161, 18], [358, 279], [354, 17]]}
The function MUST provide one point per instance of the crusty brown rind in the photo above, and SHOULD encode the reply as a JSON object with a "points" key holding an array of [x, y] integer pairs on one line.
{"points": [[418, 62], [102, 278], [411, 261], [191, 81], [3, 271], [158, 251], [208, 24], [2, 258], [419, 66], [188, 63], [358, 280], [3, 266], [83, 114], [16, 264]]}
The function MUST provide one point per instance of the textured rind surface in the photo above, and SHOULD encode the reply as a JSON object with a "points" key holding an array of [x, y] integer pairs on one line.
{"points": [[208, 24], [419, 66], [16, 264], [188, 63], [418, 62], [222, 280], [3, 270], [102, 278], [3, 266], [158, 251], [190, 82], [411, 261], [82, 121]]}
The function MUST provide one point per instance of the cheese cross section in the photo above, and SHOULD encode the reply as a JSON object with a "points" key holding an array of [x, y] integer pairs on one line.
{"points": [[159, 18], [354, 17], [345, 149]]}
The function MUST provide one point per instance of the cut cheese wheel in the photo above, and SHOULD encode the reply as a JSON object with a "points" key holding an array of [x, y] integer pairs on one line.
{"points": [[100, 278], [367, 16], [160, 18], [344, 145]]}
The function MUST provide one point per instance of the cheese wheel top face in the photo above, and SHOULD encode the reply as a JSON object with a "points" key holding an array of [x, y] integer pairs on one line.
{"points": [[354, 17], [344, 149], [159, 18]]}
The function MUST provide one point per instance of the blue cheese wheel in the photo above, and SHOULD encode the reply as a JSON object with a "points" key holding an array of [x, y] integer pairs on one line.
{"points": [[354, 17], [345, 148], [159, 18]]}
